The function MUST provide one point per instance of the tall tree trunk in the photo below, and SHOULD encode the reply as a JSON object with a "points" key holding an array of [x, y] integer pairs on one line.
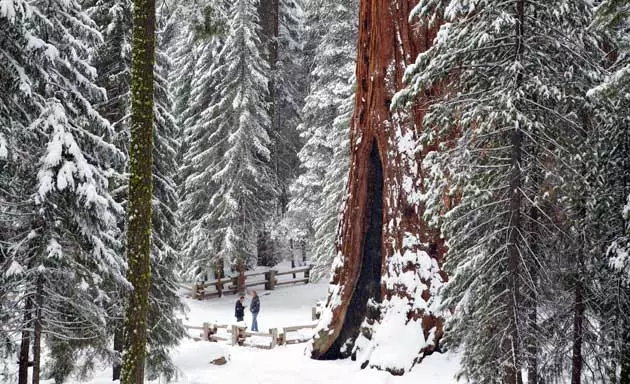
{"points": [[269, 13], [140, 190], [511, 348], [624, 376], [532, 341], [25, 344], [118, 347], [387, 44], [578, 333], [37, 333]]}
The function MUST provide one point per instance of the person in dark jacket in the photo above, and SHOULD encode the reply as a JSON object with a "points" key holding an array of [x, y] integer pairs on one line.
{"points": [[239, 309], [255, 308]]}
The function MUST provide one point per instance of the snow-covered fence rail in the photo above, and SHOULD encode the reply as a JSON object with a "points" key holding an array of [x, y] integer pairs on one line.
{"points": [[238, 284], [239, 335]]}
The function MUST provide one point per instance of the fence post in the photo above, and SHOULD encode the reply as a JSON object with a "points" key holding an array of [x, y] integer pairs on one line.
{"points": [[206, 331], [274, 337], [293, 266], [268, 280], [272, 279], [303, 249], [307, 274], [194, 291], [235, 333], [314, 313], [218, 275], [282, 338]]}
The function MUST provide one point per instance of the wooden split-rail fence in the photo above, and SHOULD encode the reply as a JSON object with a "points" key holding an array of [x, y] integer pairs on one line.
{"points": [[238, 335], [238, 284]]}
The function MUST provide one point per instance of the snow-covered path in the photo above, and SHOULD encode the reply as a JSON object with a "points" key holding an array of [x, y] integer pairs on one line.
{"points": [[284, 364], [288, 365]]}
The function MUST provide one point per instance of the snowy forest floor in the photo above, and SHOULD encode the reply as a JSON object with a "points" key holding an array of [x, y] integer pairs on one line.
{"points": [[284, 306]]}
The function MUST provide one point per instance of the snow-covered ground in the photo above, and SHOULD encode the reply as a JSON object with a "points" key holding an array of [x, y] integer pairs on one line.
{"points": [[284, 306]]}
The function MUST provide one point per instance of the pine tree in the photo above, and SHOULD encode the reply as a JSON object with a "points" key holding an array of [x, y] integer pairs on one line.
{"points": [[289, 91], [613, 195], [228, 156], [195, 91], [63, 219], [333, 192], [114, 62], [316, 194], [509, 80]]}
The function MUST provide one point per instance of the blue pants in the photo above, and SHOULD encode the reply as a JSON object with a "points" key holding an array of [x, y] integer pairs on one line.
{"points": [[254, 321]]}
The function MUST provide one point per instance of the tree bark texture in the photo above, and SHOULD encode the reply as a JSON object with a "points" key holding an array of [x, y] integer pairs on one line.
{"points": [[579, 309], [410, 254], [624, 376], [532, 302], [511, 343], [269, 14], [37, 330], [25, 344], [118, 347], [140, 191]]}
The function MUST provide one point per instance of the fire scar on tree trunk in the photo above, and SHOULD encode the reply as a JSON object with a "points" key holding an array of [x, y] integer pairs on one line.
{"points": [[359, 320]]}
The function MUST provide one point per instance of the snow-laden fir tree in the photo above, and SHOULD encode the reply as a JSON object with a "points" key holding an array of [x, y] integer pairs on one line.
{"points": [[612, 203], [507, 120], [317, 192], [230, 187], [287, 95], [327, 219], [113, 63], [64, 244], [194, 90]]}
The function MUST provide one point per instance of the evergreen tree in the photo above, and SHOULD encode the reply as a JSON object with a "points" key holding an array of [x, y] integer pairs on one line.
{"points": [[63, 243], [317, 192], [194, 84], [510, 80], [228, 151], [114, 62], [612, 204], [288, 81]]}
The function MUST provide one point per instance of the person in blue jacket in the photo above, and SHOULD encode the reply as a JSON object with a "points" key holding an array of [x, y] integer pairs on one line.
{"points": [[254, 307]]}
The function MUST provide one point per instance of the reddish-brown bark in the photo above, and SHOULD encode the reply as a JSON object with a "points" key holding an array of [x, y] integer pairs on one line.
{"points": [[387, 44]]}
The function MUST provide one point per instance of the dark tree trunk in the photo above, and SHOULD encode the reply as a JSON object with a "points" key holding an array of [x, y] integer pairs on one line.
{"points": [[140, 191], [387, 44], [25, 344], [118, 347], [37, 334], [624, 376], [532, 342], [269, 13], [511, 347], [578, 333]]}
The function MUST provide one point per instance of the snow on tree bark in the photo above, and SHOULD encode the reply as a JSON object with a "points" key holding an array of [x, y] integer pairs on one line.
{"points": [[410, 252], [140, 190]]}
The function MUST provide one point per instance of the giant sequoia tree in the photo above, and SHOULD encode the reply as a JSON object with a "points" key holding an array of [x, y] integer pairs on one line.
{"points": [[389, 262]]}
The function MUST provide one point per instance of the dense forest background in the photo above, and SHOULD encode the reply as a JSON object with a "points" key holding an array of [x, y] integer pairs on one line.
{"points": [[252, 106], [509, 142]]}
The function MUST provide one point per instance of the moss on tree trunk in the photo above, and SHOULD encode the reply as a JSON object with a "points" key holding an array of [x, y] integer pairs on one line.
{"points": [[140, 191]]}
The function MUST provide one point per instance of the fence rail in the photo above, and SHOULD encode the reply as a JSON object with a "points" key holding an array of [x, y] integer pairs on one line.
{"points": [[238, 335], [238, 284]]}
